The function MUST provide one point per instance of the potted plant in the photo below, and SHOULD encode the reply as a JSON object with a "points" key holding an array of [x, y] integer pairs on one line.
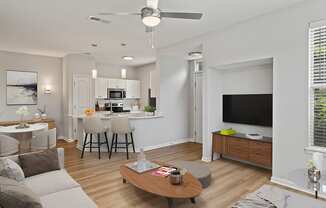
{"points": [[22, 111], [149, 110], [313, 173]]}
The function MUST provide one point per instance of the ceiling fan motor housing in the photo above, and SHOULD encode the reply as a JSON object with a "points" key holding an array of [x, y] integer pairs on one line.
{"points": [[150, 13]]}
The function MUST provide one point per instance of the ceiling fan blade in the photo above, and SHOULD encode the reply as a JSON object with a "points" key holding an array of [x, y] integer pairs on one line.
{"points": [[181, 15], [149, 29], [152, 4], [118, 13], [97, 19]]}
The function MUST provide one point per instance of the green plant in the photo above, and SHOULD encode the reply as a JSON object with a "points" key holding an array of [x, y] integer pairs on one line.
{"points": [[311, 164], [149, 108]]}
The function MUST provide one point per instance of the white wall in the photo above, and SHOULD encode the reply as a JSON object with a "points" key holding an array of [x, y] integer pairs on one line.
{"points": [[49, 73], [282, 35], [114, 71], [244, 80], [174, 96], [73, 64]]}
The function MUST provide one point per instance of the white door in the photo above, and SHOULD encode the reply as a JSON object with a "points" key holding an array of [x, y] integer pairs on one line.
{"points": [[81, 97], [198, 107]]}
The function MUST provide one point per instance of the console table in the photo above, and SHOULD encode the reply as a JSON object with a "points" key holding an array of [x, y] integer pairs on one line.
{"points": [[49, 121], [239, 146]]}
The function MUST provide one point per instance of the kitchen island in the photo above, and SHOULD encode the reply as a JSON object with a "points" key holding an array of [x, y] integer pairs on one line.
{"points": [[145, 134]]}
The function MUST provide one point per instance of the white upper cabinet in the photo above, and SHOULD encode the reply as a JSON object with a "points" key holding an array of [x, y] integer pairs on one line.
{"points": [[101, 88], [132, 89], [117, 83]]}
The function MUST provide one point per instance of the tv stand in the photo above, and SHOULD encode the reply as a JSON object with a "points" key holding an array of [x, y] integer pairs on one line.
{"points": [[243, 148]]}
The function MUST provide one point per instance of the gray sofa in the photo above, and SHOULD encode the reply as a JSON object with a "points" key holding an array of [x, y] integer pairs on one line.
{"points": [[57, 188]]}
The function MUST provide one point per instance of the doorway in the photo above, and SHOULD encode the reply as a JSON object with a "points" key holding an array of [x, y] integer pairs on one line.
{"points": [[81, 98]]}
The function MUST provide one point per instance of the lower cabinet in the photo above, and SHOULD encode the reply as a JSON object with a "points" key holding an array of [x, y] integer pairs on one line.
{"points": [[257, 152], [260, 153], [237, 148]]}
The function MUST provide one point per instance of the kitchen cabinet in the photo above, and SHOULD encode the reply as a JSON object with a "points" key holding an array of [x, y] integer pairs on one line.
{"points": [[101, 88], [117, 83], [133, 89]]}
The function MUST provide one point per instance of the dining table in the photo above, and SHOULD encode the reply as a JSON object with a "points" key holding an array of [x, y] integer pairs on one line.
{"points": [[23, 135]]}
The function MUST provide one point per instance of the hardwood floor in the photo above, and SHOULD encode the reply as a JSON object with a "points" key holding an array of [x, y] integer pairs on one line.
{"points": [[102, 181]]}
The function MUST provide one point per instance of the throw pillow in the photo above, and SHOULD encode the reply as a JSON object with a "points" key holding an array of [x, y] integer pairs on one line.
{"points": [[14, 195], [41, 162], [10, 169]]}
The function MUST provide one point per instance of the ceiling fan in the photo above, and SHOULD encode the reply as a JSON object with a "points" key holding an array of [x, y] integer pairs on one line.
{"points": [[151, 15]]}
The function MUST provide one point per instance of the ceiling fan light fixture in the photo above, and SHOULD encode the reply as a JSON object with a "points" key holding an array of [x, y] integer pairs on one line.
{"points": [[150, 17], [151, 21]]}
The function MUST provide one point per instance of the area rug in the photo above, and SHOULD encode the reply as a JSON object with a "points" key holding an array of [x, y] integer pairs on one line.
{"points": [[269, 196]]}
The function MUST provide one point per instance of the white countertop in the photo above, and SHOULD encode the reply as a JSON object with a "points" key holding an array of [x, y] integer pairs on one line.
{"points": [[134, 115]]}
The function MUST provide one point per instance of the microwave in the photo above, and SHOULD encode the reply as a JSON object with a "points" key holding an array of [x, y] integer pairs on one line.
{"points": [[116, 94]]}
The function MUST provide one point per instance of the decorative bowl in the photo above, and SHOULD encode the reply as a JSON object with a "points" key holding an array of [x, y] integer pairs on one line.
{"points": [[314, 175]]}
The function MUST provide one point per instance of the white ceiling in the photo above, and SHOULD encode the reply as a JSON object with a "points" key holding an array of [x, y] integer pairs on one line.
{"points": [[59, 27]]}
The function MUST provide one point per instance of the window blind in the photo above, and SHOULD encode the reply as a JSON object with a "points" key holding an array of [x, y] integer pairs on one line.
{"points": [[317, 84]]}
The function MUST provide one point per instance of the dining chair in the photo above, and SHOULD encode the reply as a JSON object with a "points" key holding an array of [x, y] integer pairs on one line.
{"points": [[121, 126], [94, 125], [45, 139], [8, 145]]}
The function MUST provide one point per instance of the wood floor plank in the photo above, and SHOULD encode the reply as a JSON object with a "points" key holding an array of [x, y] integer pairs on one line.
{"points": [[101, 179]]}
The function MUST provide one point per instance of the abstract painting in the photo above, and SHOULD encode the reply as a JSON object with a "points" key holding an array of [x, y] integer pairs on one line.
{"points": [[21, 88]]}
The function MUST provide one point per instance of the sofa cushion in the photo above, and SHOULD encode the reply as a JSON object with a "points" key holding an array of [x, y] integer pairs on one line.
{"points": [[11, 169], [37, 163], [50, 182], [61, 155], [72, 198], [14, 195]]}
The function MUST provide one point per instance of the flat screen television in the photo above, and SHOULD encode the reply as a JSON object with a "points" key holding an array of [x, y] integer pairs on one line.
{"points": [[253, 109]]}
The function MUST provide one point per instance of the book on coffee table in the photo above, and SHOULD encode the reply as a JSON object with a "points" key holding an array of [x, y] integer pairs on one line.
{"points": [[143, 166], [163, 171]]}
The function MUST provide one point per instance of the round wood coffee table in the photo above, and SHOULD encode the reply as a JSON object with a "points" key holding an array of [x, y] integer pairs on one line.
{"points": [[189, 189]]}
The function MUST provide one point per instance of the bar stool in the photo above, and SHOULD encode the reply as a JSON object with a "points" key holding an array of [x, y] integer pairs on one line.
{"points": [[94, 125], [121, 126]]}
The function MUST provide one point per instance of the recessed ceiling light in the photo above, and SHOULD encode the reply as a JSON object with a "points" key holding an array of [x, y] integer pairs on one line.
{"points": [[123, 44], [128, 58], [94, 45]]}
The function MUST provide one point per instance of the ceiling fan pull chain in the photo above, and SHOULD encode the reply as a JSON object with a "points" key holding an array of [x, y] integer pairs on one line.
{"points": [[152, 34]]}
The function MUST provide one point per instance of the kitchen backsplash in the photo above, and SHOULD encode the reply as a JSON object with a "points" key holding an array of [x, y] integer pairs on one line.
{"points": [[128, 103]]}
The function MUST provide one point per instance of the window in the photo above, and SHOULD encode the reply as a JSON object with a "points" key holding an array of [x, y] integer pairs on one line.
{"points": [[317, 84]]}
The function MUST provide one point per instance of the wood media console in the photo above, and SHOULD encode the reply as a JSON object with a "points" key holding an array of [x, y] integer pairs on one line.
{"points": [[240, 147]]}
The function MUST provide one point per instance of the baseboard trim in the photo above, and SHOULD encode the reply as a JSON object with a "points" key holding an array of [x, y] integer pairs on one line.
{"points": [[166, 144], [206, 159], [147, 148], [289, 184]]}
